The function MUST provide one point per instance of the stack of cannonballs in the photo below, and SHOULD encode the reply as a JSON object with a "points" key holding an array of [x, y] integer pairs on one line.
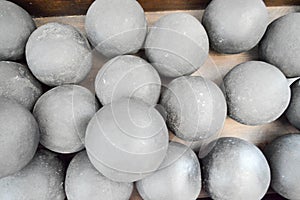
{"points": [[127, 139]]}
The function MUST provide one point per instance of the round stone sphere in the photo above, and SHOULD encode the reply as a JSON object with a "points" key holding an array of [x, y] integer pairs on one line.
{"points": [[284, 159], [127, 76], [83, 181], [293, 111], [127, 140], [177, 45], [17, 83], [281, 47], [195, 107], [235, 169], [257, 93], [116, 27], [19, 137], [178, 178], [58, 54], [16, 25], [235, 26], [63, 114], [42, 178]]}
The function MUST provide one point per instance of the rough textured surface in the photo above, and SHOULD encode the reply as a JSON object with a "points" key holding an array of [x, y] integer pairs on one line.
{"points": [[58, 54], [281, 44], [63, 114], [16, 26], [293, 111], [178, 178], [284, 159], [177, 45], [257, 93], [127, 76], [116, 27], [127, 140], [83, 181], [195, 106], [235, 26], [235, 169]]}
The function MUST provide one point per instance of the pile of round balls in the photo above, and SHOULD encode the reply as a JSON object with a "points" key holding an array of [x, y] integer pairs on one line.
{"points": [[124, 137]]}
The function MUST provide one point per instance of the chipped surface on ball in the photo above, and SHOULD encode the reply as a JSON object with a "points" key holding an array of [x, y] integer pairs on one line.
{"points": [[293, 111]]}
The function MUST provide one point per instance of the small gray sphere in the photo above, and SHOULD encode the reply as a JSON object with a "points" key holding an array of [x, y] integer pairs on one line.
{"points": [[293, 111], [177, 45], [83, 181], [235, 26], [58, 54], [16, 25], [63, 114], [235, 169], [178, 178]]}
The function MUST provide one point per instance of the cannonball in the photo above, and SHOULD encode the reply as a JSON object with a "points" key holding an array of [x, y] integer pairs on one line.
{"points": [[19, 137], [127, 76], [178, 178], [195, 106], [257, 93], [116, 27], [83, 181], [235, 169], [293, 111], [281, 44], [16, 25], [63, 114], [235, 26], [58, 54], [177, 45], [127, 140]]}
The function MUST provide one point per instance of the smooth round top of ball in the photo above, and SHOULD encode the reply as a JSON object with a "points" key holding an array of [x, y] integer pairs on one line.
{"points": [[16, 25], [281, 44], [127, 76], [257, 93], [293, 111], [116, 27], [177, 44], [58, 54], [83, 181], [195, 106]]}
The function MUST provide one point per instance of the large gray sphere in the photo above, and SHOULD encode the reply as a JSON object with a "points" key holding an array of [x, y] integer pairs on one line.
{"points": [[41, 179], [235, 26], [195, 106], [293, 111], [83, 181], [63, 114], [235, 169], [58, 54], [177, 45], [16, 25], [19, 137], [284, 159], [281, 44], [178, 178], [256, 92], [116, 27], [127, 76]]}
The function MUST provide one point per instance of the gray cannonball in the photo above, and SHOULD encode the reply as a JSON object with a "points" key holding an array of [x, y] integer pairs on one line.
{"points": [[83, 181], [127, 140], [235, 26], [178, 178], [284, 159], [41, 179], [63, 114], [257, 93], [19, 137], [293, 111], [116, 27], [127, 76], [177, 45], [235, 169], [195, 106], [16, 25], [281, 44], [58, 54]]}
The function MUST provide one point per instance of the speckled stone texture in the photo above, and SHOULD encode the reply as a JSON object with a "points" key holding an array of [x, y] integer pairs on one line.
{"points": [[293, 111]]}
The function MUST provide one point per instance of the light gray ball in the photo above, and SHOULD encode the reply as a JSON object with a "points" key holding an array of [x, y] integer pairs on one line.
{"points": [[293, 111]]}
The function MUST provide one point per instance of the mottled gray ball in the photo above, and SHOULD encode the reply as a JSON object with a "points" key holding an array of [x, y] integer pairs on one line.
{"points": [[293, 111]]}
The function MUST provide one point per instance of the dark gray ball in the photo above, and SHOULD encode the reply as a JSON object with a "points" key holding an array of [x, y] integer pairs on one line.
{"points": [[293, 111]]}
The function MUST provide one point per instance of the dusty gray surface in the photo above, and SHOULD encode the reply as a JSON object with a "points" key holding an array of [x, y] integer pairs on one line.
{"points": [[293, 111]]}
